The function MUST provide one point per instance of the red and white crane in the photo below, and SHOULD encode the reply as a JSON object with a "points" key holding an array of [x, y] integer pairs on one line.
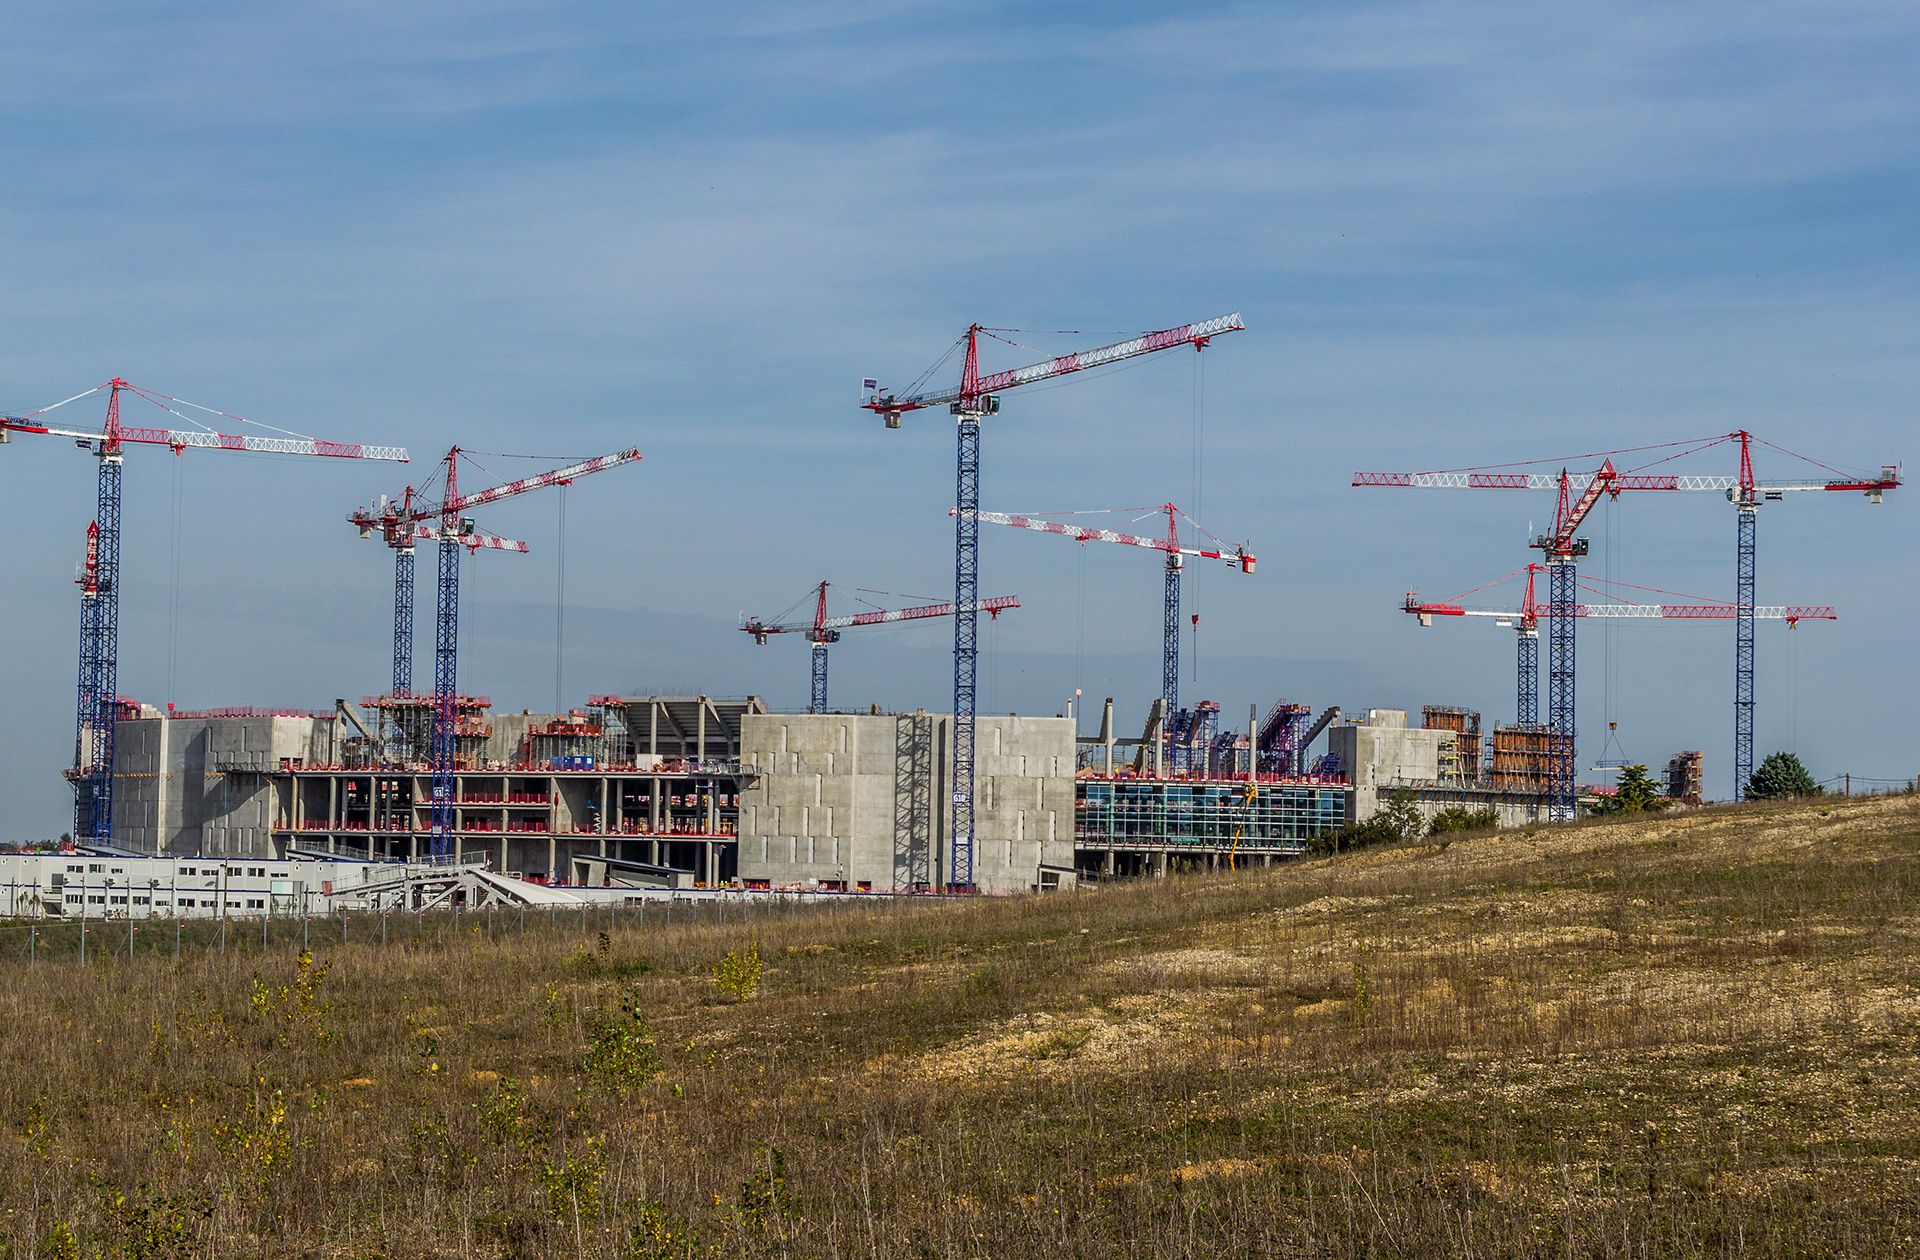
{"points": [[824, 630], [1234, 555], [98, 702], [1742, 489], [398, 526], [445, 522], [975, 399]]}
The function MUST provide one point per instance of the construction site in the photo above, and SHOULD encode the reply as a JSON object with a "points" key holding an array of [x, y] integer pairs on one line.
{"points": [[721, 791]]}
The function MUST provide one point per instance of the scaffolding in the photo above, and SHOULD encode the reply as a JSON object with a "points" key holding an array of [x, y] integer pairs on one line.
{"points": [[1191, 736], [1123, 813], [1523, 757], [406, 727], [566, 741], [1461, 762], [1686, 776], [1280, 736], [913, 803]]}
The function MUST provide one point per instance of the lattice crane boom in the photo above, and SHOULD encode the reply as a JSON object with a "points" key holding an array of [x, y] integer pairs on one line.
{"points": [[976, 398], [823, 630], [1792, 614], [974, 386], [1237, 557]]}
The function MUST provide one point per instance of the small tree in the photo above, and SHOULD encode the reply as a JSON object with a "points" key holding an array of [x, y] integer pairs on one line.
{"points": [[1400, 817], [1780, 776], [1637, 793]]}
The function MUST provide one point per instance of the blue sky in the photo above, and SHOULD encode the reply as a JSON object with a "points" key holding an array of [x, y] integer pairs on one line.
{"points": [[1459, 234]]}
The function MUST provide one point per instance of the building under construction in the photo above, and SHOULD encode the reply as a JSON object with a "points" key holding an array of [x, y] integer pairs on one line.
{"points": [[653, 780], [699, 790]]}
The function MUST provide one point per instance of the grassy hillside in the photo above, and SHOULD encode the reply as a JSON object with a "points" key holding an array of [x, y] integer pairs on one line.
{"points": [[1679, 1036]]}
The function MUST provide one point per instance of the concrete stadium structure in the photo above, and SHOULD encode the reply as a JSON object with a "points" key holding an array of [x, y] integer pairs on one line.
{"points": [[693, 791]]}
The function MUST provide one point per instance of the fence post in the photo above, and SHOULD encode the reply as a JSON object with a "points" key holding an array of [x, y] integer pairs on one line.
{"points": [[33, 942], [176, 929]]}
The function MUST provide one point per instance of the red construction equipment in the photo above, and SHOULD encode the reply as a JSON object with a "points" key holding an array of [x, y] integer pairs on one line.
{"points": [[1742, 489], [1235, 555], [975, 399], [452, 530], [1525, 620], [98, 704], [823, 630]]}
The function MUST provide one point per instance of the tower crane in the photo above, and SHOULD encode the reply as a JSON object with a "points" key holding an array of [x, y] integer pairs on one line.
{"points": [[978, 397], [1742, 489], [96, 708], [1237, 557], [393, 520], [1525, 622], [824, 630], [447, 525]]}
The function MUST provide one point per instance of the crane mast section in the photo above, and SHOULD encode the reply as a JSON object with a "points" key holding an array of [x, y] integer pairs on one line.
{"points": [[1197, 334]]}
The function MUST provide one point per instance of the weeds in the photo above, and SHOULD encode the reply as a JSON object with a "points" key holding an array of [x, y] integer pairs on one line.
{"points": [[737, 974], [620, 1054], [1675, 1035]]}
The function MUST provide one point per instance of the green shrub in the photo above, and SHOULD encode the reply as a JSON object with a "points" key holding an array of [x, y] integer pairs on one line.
{"points": [[659, 1236], [620, 1050], [1459, 818], [737, 975]]}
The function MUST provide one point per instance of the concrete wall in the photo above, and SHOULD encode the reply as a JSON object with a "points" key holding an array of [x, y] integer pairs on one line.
{"points": [[823, 804], [1383, 754], [188, 785]]}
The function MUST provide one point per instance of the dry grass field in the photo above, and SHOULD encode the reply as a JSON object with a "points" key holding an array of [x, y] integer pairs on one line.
{"points": [[1678, 1036]]}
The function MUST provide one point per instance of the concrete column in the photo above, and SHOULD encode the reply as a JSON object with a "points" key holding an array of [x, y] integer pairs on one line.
{"points": [[700, 739], [553, 857], [1106, 864], [1160, 863], [503, 855]]}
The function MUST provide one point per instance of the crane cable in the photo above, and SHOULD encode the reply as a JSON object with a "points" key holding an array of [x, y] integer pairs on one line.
{"points": [[173, 591]]}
